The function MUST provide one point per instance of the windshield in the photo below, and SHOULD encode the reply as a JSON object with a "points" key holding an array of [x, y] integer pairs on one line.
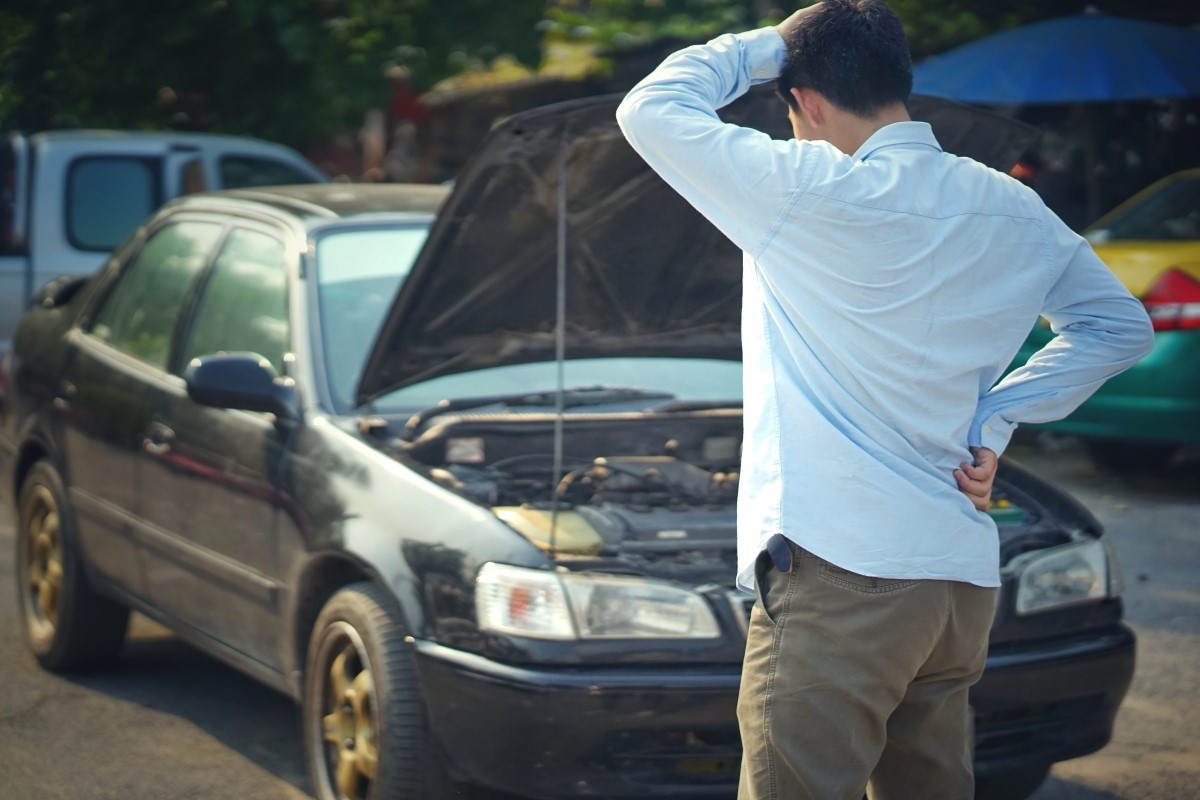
{"points": [[358, 275], [1170, 214], [680, 379], [359, 272]]}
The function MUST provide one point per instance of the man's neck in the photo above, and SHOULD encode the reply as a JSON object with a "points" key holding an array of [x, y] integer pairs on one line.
{"points": [[852, 130]]}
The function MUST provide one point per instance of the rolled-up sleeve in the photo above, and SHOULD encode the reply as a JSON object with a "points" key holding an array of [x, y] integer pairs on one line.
{"points": [[738, 178], [1101, 330]]}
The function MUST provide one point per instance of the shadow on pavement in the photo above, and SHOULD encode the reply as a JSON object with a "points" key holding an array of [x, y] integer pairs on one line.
{"points": [[1059, 789], [1066, 458], [253, 720]]}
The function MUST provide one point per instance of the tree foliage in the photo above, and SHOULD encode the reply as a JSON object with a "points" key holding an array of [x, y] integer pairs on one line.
{"points": [[932, 25], [299, 70], [290, 71]]}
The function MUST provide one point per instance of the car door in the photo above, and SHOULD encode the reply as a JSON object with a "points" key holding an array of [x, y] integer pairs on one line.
{"points": [[210, 489], [102, 394]]}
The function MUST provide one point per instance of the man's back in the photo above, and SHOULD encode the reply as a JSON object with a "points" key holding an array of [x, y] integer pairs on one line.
{"points": [[886, 287], [885, 292], [912, 276], [898, 284]]}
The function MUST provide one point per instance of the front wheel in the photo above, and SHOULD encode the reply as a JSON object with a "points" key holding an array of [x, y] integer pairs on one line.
{"points": [[365, 730], [67, 624]]}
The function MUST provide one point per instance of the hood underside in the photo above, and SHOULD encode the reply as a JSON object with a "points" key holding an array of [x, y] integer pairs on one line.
{"points": [[646, 275]]}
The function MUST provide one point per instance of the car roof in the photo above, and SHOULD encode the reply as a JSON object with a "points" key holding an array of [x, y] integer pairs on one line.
{"points": [[319, 203]]}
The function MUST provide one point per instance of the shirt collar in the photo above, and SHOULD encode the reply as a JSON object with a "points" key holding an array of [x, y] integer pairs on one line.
{"points": [[898, 134]]}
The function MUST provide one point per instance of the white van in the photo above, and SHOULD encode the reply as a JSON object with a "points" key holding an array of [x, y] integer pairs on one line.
{"points": [[68, 198]]}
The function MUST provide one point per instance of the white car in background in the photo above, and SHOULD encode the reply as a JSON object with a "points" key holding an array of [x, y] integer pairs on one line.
{"points": [[68, 198]]}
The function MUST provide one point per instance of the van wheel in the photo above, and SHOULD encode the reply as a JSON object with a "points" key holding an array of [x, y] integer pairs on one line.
{"points": [[67, 624], [365, 731]]}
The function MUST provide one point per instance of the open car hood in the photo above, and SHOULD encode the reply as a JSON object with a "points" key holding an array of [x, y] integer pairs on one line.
{"points": [[646, 274]]}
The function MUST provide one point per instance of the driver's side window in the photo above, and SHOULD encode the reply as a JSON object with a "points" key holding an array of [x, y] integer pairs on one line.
{"points": [[244, 305]]}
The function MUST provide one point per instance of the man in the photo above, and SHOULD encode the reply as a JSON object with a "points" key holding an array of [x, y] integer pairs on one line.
{"points": [[887, 285]]}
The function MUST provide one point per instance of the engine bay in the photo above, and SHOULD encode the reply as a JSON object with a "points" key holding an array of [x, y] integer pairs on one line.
{"points": [[640, 492]]}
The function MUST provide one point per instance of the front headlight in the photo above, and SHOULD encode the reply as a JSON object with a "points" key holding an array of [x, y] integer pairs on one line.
{"points": [[550, 605], [1062, 576]]}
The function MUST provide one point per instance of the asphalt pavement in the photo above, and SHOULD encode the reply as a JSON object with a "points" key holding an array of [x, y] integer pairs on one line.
{"points": [[172, 723], [1154, 524]]}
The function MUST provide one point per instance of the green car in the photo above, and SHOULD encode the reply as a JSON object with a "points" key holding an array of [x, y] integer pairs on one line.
{"points": [[1152, 243]]}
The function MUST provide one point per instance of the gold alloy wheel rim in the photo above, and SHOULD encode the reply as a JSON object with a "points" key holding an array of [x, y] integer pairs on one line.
{"points": [[43, 562], [348, 721]]}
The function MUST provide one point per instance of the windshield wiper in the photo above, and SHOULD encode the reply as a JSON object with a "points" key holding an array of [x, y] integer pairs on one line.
{"points": [[574, 397], [682, 406]]}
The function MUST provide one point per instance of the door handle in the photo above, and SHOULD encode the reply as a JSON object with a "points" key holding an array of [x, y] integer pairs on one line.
{"points": [[158, 439]]}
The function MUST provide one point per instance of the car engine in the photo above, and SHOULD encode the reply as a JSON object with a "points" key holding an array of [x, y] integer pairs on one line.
{"points": [[648, 493]]}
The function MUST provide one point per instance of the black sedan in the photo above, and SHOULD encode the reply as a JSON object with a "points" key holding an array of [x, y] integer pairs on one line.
{"points": [[458, 474]]}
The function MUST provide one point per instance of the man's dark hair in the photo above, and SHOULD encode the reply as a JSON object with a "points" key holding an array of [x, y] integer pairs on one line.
{"points": [[854, 52]]}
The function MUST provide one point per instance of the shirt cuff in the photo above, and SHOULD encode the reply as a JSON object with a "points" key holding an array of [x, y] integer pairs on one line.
{"points": [[765, 53], [993, 433]]}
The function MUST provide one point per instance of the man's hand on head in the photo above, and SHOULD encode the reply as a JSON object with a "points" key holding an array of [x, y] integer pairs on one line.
{"points": [[786, 26], [975, 480]]}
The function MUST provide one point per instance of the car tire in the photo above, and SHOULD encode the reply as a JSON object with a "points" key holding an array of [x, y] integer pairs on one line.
{"points": [[1015, 784], [366, 735], [1127, 457], [67, 624]]}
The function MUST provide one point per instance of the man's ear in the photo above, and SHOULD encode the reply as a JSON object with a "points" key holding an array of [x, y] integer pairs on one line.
{"points": [[811, 103]]}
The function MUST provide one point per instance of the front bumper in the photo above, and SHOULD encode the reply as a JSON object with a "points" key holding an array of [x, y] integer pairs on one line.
{"points": [[1047, 701], [653, 733]]}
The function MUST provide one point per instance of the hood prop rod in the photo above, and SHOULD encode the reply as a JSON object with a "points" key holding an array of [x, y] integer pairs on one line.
{"points": [[560, 337]]}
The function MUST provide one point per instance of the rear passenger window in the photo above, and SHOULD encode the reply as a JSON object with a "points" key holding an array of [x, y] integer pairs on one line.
{"points": [[140, 314], [239, 172], [108, 197], [244, 308]]}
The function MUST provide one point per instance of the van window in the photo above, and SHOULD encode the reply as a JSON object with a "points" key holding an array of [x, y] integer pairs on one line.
{"points": [[241, 172], [108, 197]]}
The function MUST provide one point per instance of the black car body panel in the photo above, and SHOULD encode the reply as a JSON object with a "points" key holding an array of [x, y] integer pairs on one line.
{"points": [[235, 527]]}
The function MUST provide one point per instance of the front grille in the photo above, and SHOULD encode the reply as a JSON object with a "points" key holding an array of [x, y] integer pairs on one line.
{"points": [[1016, 730], [695, 757]]}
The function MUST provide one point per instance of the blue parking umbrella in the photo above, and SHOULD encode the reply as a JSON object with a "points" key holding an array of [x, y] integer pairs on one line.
{"points": [[1086, 58]]}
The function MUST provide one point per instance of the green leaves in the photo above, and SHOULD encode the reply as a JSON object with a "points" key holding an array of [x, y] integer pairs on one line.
{"points": [[301, 70], [290, 71]]}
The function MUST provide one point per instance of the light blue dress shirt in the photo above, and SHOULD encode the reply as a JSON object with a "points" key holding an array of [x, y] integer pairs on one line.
{"points": [[885, 292]]}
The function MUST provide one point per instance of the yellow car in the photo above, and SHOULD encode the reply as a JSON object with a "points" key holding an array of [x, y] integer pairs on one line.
{"points": [[1152, 243]]}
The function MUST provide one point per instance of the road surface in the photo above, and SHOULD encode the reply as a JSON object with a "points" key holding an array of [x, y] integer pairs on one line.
{"points": [[172, 723]]}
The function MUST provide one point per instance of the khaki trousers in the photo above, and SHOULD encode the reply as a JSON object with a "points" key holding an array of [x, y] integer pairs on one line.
{"points": [[852, 683]]}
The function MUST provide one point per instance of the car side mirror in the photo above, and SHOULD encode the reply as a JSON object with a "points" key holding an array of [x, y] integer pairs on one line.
{"points": [[243, 381]]}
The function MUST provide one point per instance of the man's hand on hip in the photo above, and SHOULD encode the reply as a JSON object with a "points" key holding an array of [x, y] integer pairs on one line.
{"points": [[975, 480]]}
